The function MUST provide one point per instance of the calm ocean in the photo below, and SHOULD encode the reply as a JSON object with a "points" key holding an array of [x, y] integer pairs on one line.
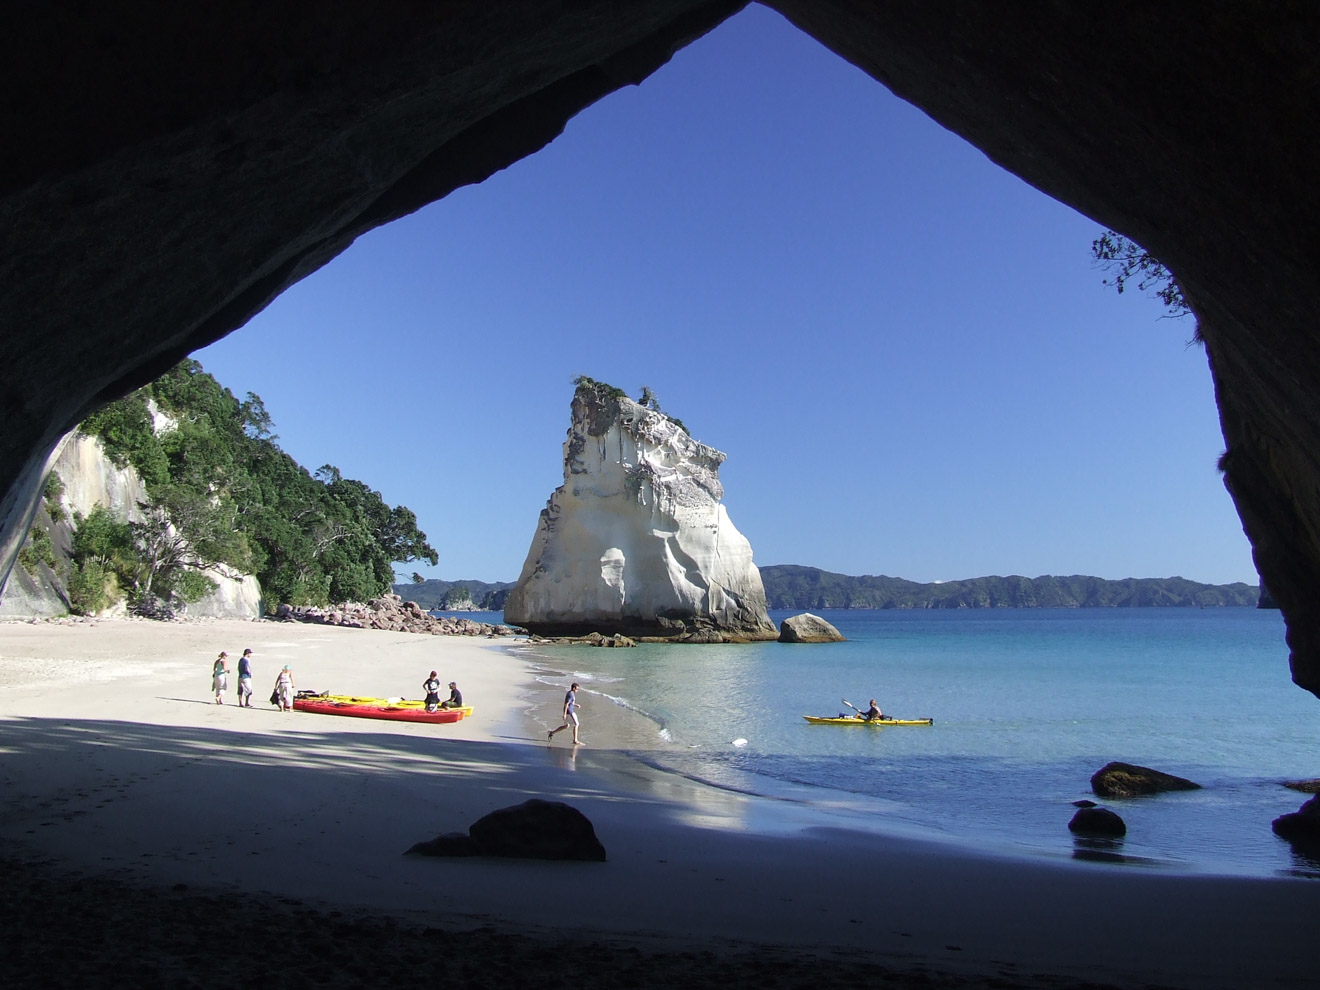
{"points": [[1027, 703]]}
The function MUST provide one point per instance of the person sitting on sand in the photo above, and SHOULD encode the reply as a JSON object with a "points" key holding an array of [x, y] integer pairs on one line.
{"points": [[220, 677], [570, 715], [432, 688], [455, 699], [871, 713]]}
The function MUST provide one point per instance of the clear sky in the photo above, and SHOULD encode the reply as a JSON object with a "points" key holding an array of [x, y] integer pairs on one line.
{"points": [[904, 349]]}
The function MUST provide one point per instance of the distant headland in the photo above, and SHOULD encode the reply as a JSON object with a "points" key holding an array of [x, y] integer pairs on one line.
{"points": [[793, 586]]}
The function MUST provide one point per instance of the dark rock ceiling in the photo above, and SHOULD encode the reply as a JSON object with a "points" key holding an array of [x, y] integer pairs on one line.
{"points": [[171, 168]]}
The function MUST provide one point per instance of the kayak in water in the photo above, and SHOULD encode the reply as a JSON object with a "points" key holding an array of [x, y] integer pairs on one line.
{"points": [[858, 720]]}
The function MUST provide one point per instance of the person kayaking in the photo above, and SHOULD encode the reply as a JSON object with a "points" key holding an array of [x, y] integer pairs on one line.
{"points": [[455, 699], [432, 688], [871, 713]]}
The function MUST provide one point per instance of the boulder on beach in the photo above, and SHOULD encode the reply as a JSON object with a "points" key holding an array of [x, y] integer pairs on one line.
{"points": [[1123, 780], [808, 628], [535, 829]]}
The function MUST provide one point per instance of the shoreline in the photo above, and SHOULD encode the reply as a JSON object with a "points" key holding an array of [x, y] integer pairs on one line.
{"points": [[117, 765]]}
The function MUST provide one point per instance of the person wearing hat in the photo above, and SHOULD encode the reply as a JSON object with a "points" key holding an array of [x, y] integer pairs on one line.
{"points": [[455, 697], [245, 680], [432, 688], [220, 677], [283, 693]]}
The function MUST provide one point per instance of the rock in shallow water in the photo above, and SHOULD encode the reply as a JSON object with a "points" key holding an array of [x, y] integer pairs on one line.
{"points": [[808, 628], [1098, 822], [1128, 780], [1301, 827]]}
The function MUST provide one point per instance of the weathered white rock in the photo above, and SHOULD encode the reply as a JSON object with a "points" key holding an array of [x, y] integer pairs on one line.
{"points": [[636, 540], [808, 628], [91, 479]]}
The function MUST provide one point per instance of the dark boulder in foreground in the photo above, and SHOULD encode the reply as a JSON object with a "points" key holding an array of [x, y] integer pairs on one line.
{"points": [[1098, 822], [1301, 827], [1122, 780], [535, 829], [808, 628]]}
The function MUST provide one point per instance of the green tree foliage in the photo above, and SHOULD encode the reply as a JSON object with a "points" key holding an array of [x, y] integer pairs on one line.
{"points": [[1130, 263], [789, 586], [222, 492], [105, 559], [37, 549]]}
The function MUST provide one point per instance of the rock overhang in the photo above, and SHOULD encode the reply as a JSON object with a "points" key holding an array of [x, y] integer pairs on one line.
{"points": [[158, 199]]}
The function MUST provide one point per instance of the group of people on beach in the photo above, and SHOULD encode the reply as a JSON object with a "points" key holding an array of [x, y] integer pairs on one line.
{"points": [[432, 688], [281, 696]]}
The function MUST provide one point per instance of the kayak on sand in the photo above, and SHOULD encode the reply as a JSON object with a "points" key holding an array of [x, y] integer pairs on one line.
{"points": [[858, 720], [351, 699], [377, 708]]}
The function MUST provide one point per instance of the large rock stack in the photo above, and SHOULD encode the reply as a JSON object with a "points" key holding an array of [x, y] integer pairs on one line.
{"points": [[636, 541]]}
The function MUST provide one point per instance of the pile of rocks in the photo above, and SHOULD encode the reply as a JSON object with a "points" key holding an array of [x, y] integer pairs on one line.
{"points": [[590, 639], [393, 613]]}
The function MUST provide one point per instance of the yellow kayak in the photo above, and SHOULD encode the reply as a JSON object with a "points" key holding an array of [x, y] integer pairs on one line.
{"points": [[349, 699], [858, 720]]}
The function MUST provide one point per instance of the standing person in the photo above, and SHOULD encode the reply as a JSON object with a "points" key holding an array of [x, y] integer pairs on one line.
{"points": [[570, 715], [284, 689], [220, 677], [245, 680], [432, 688], [455, 699]]}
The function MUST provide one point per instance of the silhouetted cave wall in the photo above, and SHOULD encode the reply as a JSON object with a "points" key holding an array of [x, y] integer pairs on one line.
{"points": [[171, 168]]}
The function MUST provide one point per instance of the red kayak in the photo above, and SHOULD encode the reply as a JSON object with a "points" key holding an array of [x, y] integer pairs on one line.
{"points": [[323, 706]]}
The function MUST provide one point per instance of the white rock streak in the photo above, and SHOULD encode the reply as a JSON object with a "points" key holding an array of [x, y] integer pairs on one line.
{"points": [[636, 539]]}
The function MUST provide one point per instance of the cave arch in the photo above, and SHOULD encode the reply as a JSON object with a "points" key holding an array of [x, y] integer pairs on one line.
{"points": [[177, 170]]}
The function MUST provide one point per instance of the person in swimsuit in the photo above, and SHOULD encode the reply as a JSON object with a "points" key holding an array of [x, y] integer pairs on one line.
{"points": [[570, 715]]}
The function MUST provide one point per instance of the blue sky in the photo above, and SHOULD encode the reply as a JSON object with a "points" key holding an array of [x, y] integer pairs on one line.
{"points": [[903, 349]]}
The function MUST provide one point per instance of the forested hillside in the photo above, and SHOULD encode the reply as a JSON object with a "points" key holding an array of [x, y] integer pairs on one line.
{"points": [[216, 478], [789, 586], [442, 595]]}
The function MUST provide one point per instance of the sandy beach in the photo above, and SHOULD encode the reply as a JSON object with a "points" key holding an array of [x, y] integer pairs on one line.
{"points": [[155, 838]]}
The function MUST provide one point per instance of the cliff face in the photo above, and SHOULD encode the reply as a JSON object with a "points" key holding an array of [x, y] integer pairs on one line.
{"points": [[91, 479], [636, 540]]}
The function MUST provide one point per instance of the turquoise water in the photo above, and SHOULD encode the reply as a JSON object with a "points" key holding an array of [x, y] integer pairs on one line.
{"points": [[1027, 703]]}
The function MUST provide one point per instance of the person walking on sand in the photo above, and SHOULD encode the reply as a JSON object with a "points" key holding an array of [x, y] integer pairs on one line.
{"points": [[245, 680], [570, 715], [220, 677], [455, 699], [432, 688], [284, 689]]}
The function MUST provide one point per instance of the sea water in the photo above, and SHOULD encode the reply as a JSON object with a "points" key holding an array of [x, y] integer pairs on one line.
{"points": [[1027, 703]]}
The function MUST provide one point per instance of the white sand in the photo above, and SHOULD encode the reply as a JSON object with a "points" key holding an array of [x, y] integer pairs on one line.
{"points": [[113, 757]]}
